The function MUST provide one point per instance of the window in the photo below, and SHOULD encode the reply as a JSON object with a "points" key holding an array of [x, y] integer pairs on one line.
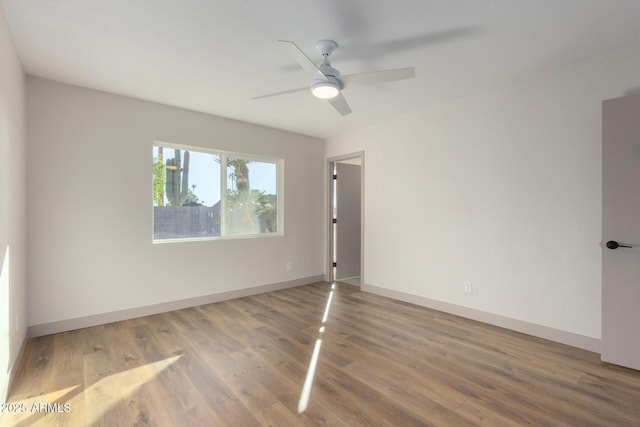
{"points": [[199, 194]]}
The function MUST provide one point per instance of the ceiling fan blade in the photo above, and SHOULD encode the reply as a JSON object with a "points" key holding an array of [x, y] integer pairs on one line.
{"points": [[340, 104], [302, 59], [284, 92], [366, 50], [376, 77]]}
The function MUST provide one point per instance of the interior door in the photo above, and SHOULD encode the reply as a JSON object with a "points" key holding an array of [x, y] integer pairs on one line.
{"points": [[348, 189], [621, 232]]}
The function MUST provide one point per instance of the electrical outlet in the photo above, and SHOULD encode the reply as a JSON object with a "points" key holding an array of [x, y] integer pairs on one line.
{"points": [[289, 266], [467, 286]]}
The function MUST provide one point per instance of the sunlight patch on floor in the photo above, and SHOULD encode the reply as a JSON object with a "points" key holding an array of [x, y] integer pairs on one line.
{"points": [[105, 393], [311, 371], [87, 406]]}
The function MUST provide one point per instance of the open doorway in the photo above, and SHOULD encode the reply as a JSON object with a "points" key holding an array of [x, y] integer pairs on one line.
{"points": [[346, 213]]}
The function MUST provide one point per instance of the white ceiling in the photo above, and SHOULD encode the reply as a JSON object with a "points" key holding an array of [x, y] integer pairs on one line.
{"points": [[214, 55]]}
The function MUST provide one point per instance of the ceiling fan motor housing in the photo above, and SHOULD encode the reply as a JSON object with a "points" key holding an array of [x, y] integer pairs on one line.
{"points": [[328, 70]]}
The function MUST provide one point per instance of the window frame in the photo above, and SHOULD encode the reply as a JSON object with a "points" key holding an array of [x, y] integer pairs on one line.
{"points": [[224, 156]]}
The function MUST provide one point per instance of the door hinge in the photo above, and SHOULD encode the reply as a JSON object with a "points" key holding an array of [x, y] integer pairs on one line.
{"points": [[335, 264], [335, 176], [335, 220]]}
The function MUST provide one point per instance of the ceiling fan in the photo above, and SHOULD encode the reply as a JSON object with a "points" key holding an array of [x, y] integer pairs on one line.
{"points": [[327, 81]]}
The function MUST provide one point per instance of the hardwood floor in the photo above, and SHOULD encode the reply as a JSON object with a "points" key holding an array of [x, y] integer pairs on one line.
{"points": [[380, 362]]}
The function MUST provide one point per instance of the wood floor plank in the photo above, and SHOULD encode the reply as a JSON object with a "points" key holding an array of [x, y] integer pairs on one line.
{"points": [[36, 368], [245, 382], [378, 362], [189, 408], [277, 415]]}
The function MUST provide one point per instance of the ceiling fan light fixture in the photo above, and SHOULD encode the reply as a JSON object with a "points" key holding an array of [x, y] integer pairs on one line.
{"points": [[325, 89]]}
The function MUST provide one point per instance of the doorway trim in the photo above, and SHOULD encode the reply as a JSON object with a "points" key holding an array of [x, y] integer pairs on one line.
{"points": [[331, 161]]}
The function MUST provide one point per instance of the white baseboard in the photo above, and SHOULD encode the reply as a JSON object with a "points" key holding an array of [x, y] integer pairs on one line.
{"points": [[131, 313], [545, 332]]}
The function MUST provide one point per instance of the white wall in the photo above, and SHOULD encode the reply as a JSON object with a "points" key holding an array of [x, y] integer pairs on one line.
{"points": [[502, 188], [90, 196], [13, 285]]}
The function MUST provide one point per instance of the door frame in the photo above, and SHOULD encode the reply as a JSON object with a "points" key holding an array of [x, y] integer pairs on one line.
{"points": [[331, 161]]}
